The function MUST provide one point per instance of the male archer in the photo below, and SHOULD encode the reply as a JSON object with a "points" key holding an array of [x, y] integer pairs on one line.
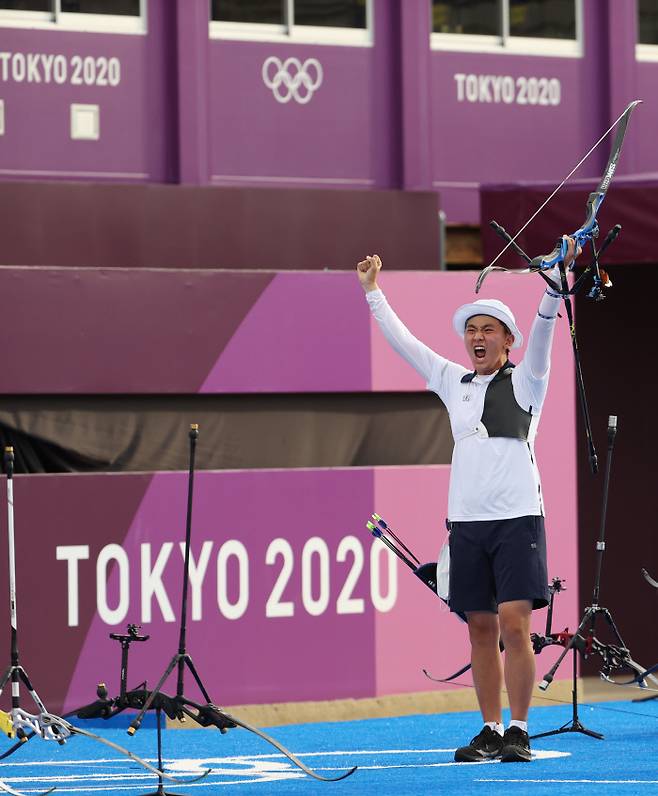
{"points": [[498, 572]]}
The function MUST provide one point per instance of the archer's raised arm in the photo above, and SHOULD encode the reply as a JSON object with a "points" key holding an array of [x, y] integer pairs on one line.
{"points": [[367, 271], [410, 348], [540, 339]]}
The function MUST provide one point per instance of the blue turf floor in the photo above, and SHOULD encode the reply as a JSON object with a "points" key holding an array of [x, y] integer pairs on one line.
{"points": [[405, 755]]}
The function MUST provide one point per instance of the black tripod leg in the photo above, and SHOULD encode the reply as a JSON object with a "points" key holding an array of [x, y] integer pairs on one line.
{"points": [[33, 694], [197, 679], [5, 678], [136, 723], [613, 626], [575, 724], [160, 791]]}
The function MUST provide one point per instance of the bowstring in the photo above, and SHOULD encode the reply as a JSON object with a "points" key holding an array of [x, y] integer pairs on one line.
{"points": [[546, 201]]}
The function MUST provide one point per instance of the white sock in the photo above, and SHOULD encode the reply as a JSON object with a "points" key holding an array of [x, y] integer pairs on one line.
{"points": [[522, 725], [495, 726]]}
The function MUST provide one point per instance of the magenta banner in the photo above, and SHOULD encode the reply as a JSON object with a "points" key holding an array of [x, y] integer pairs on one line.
{"points": [[290, 597], [94, 330]]}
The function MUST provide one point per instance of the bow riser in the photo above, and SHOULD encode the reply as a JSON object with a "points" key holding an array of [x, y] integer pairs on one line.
{"points": [[589, 230]]}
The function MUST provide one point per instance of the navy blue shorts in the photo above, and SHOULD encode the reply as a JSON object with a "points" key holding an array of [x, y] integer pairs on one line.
{"points": [[495, 561]]}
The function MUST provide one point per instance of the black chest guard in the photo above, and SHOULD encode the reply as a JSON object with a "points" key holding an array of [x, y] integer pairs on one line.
{"points": [[502, 416]]}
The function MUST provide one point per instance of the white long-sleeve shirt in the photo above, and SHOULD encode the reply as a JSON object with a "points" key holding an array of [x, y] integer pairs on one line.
{"points": [[491, 477]]}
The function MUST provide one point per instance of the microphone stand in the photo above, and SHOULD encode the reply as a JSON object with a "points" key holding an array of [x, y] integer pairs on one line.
{"points": [[181, 658], [575, 725], [584, 641]]}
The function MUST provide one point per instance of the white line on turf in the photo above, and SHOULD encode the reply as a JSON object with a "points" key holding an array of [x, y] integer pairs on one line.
{"points": [[580, 781], [230, 770]]}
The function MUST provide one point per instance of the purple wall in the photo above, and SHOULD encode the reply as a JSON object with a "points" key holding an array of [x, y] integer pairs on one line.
{"points": [[131, 82], [77, 224], [494, 139], [394, 114], [340, 134], [183, 331], [324, 142], [531, 118]]}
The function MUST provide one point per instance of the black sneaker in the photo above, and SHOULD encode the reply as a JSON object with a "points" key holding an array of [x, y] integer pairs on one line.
{"points": [[516, 746], [485, 746]]}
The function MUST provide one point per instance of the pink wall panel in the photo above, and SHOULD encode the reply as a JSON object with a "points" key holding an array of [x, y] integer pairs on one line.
{"points": [[421, 632], [306, 331]]}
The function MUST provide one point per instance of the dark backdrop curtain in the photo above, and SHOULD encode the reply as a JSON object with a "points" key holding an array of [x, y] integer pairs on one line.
{"points": [[133, 433]]}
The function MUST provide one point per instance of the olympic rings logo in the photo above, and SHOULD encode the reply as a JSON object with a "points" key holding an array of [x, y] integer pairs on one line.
{"points": [[292, 79]]}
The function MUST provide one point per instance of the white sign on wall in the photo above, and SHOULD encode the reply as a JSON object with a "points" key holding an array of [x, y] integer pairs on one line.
{"points": [[508, 89], [85, 122], [292, 78], [75, 70]]}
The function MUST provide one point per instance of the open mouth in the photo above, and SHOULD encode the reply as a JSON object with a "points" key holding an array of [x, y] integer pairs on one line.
{"points": [[479, 351]]}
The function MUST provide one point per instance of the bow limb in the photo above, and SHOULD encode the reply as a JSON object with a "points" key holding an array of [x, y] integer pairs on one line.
{"points": [[122, 750], [4, 788], [649, 579], [293, 758], [641, 675], [73, 730], [538, 643], [207, 715], [484, 273], [589, 228], [461, 671], [454, 676], [51, 726]]}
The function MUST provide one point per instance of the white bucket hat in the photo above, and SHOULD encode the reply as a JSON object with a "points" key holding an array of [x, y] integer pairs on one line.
{"points": [[491, 307]]}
